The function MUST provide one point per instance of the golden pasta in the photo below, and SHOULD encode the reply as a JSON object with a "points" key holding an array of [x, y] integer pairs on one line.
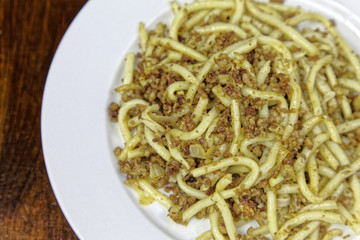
{"points": [[236, 114]]}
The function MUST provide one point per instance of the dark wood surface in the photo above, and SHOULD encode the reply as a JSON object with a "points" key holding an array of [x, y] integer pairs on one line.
{"points": [[30, 31]]}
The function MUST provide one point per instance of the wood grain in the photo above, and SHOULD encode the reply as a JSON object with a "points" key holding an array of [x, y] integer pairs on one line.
{"points": [[30, 31]]}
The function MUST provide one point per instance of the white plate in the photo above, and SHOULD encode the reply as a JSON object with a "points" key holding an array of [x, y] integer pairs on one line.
{"points": [[77, 136]]}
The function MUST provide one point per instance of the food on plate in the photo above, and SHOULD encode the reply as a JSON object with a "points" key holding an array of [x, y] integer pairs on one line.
{"points": [[241, 111]]}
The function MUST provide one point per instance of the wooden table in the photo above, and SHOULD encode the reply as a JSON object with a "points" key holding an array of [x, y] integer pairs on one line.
{"points": [[30, 31]]}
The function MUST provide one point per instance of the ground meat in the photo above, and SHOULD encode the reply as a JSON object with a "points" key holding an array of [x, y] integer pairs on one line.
{"points": [[172, 168], [131, 94], [135, 168], [249, 202], [280, 84], [114, 110]]}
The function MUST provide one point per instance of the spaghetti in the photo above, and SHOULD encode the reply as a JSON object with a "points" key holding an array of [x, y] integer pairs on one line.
{"points": [[236, 114]]}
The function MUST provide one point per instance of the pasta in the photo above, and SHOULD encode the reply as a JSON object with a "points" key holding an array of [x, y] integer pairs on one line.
{"points": [[236, 114]]}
